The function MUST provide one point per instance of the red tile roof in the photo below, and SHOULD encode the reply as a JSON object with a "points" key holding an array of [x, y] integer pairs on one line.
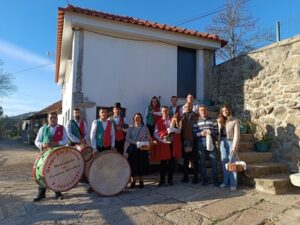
{"points": [[124, 19], [55, 107]]}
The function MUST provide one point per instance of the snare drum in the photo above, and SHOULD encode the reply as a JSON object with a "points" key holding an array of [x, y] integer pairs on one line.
{"points": [[109, 173], [58, 169]]}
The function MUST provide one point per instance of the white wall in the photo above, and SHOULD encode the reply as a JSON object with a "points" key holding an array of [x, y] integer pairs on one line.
{"points": [[127, 71]]}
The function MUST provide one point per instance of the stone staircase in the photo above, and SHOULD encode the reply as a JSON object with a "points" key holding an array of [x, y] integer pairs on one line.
{"points": [[263, 172]]}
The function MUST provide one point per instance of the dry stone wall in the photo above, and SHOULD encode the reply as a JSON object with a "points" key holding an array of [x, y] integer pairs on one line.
{"points": [[265, 85]]}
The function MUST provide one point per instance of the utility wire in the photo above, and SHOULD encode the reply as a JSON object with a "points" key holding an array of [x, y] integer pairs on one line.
{"points": [[205, 14], [32, 68]]}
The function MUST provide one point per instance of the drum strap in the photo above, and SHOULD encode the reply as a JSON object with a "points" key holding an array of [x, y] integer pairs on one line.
{"points": [[77, 127]]}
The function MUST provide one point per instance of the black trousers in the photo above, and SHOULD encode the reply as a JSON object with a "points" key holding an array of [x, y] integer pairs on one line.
{"points": [[119, 145], [167, 167], [192, 156]]}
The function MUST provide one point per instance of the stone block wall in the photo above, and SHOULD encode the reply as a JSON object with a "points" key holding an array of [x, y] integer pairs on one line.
{"points": [[265, 85]]}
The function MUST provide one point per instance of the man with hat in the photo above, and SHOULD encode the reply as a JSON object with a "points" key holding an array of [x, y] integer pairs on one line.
{"points": [[118, 121]]}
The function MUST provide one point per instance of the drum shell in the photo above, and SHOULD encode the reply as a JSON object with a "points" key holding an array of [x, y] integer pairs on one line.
{"points": [[86, 151], [70, 169]]}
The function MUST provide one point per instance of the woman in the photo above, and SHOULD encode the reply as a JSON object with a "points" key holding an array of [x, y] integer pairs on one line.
{"points": [[229, 133], [152, 114], [138, 159]]}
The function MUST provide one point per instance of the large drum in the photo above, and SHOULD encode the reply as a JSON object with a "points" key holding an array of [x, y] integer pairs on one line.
{"points": [[86, 151], [109, 173], [58, 169]]}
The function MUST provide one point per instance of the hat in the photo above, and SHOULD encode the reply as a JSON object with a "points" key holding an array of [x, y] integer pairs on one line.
{"points": [[117, 105]]}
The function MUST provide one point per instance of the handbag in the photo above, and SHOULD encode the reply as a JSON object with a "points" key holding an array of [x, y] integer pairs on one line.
{"points": [[238, 166]]}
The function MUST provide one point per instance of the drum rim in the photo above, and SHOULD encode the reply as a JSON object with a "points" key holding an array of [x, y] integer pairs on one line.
{"points": [[130, 172], [33, 173], [87, 146], [43, 172]]}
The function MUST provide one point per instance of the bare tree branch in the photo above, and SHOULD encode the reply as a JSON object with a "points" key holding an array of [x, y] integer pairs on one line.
{"points": [[236, 25]]}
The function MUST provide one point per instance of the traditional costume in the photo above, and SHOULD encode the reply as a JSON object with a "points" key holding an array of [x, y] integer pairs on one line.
{"points": [[102, 135]]}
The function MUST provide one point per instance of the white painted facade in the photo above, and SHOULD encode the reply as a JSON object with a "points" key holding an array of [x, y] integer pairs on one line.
{"points": [[123, 63]]}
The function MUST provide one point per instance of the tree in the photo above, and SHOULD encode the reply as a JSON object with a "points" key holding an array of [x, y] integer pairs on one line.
{"points": [[237, 26], [6, 85]]}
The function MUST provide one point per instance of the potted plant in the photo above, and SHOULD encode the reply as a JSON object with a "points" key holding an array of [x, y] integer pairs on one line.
{"points": [[263, 140], [247, 126]]}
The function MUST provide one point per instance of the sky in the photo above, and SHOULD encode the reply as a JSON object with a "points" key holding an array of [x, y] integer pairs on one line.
{"points": [[28, 36]]}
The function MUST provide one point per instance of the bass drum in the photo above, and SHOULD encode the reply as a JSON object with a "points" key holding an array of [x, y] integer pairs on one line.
{"points": [[109, 173], [58, 169]]}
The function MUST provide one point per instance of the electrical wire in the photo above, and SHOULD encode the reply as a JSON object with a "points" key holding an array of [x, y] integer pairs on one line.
{"points": [[32, 68]]}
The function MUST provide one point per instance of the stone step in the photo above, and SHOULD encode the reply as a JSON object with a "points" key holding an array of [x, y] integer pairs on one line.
{"points": [[246, 137], [275, 184], [246, 146], [255, 157], [263, 169]]}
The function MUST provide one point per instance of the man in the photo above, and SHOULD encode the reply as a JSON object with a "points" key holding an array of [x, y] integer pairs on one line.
{"points": [[167, 150], [190, 99], [102, 133], [118, 122], [50, 136], [188, 120], [77, 129], [205, 127], [174, 108]]}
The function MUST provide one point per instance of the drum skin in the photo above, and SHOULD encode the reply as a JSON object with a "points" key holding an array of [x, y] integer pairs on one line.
{"points": [[58, 169], [109, 173]]}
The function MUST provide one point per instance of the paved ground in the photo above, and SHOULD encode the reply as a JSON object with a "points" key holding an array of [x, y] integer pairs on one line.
{"points": [[179, 204]]}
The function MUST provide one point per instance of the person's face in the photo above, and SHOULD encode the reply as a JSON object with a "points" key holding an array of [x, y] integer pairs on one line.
{"points": [[103, 114], [137, 119], [52, 120], [202, 112], [189, 107], [225, 112], [189, 98], [165, 112], [154, 102], [76, 114], [174, 101], [116, 111]]}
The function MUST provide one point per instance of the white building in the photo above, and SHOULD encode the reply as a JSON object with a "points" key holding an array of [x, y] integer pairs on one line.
{"points": [[103, 58]]}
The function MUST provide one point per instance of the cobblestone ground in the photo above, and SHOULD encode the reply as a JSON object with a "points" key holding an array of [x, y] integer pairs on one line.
{"points": [[179, 204]]}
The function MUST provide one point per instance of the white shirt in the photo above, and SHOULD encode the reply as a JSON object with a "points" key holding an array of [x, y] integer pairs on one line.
{"points": [[72, 137], [94, 131], [39, 138]]}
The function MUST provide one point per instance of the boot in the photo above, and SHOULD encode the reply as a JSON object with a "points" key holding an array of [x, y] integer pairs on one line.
{"points": [[59, 196], [41, 194]]}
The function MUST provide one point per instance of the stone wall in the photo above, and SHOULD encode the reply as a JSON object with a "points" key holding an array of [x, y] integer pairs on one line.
{"points": [[265, 85]]}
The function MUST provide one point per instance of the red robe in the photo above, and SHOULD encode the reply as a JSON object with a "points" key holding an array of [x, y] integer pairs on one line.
{"points": [[162, 150]]}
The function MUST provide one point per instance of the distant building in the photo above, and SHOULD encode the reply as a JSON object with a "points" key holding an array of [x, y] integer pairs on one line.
{"points": [[35, 121], [103, 58]]}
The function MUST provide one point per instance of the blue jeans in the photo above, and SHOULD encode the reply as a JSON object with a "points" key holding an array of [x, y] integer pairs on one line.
{"points": [[230, 178], [213, 162]]}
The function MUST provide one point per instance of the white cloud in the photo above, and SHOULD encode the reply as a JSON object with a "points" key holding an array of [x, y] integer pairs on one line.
{"points": [[22, 54]]}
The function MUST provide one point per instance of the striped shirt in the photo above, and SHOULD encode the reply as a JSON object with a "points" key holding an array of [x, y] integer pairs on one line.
{"points": [[205, 124]]}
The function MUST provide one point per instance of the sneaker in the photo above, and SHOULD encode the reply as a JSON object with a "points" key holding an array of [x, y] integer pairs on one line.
{"points": [[223, 186], [232, 188]]}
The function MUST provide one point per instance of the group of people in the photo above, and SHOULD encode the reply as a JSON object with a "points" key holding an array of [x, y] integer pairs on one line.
{"points": [[173, 132]]}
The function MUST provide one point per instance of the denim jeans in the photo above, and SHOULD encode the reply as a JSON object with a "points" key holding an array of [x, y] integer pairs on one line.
{"points": [[213, 162], [230, 178]]}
